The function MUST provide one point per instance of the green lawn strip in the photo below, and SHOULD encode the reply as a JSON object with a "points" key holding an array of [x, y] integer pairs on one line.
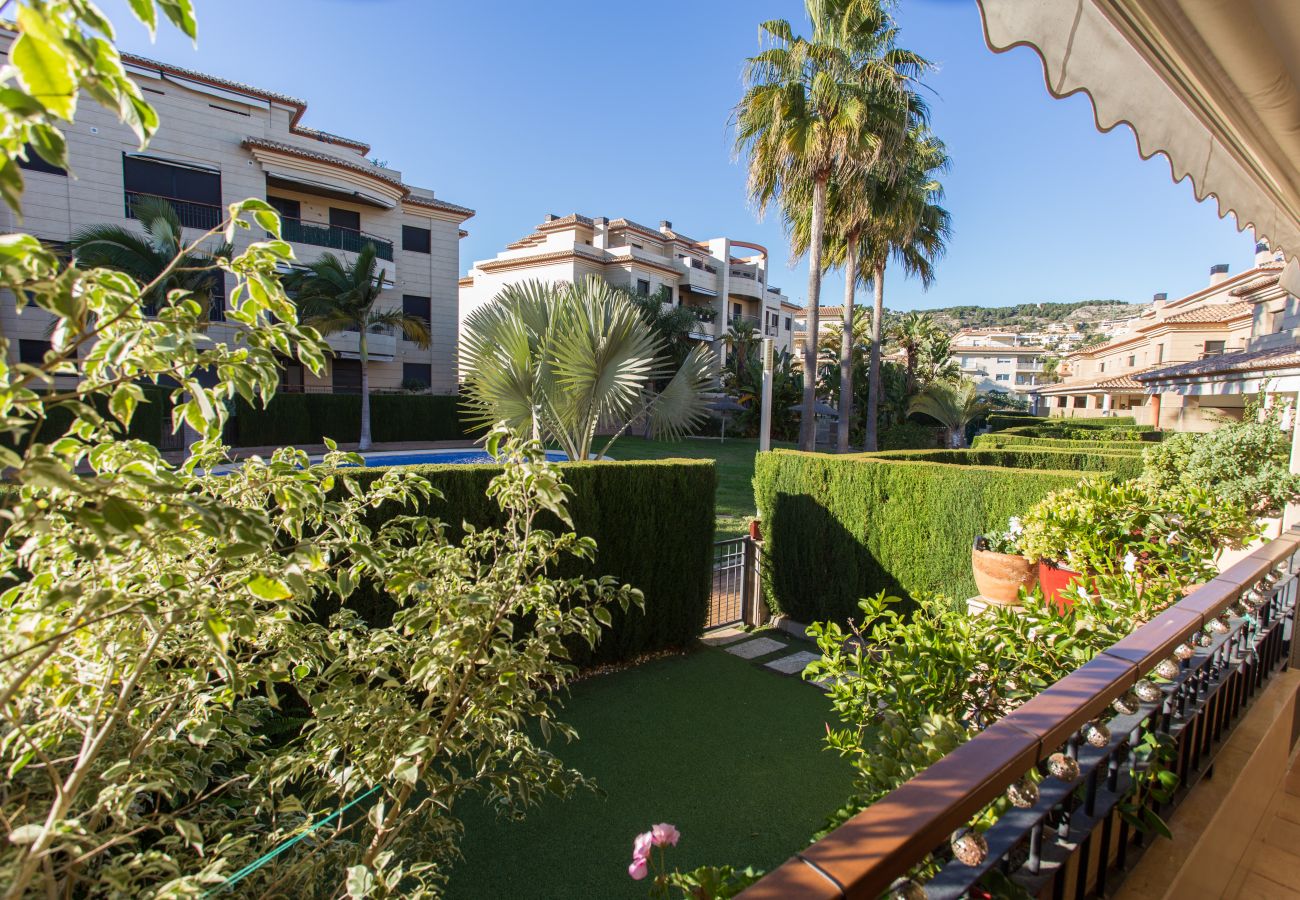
{"points": [[728, 752], [735, 465]]}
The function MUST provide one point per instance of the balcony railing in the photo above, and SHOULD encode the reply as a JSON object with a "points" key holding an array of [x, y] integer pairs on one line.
{"points": [[204, 216], [1218, 647], [336, 237]]}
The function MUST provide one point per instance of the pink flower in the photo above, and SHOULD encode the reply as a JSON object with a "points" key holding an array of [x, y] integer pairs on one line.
{"points": [[641, 855], [638, 869], [663, 833]]}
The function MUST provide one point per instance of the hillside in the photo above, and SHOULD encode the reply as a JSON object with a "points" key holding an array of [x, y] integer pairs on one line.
{"points": [[1034, 315]]}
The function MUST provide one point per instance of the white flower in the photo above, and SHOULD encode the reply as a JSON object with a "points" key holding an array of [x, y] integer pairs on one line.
{"points": [[1013, 526], [1130, 562]]}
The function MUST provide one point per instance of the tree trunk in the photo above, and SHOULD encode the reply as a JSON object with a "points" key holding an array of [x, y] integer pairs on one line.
{"points": [[364, 443], [808, 419], [846, 347], [873, 372]]}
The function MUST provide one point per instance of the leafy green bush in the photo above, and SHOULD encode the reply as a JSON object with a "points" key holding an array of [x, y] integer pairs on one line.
{"points": [[1003, 439], [840, 528], [1122, 465], [305, 419], [909, 436], [1243, 462], [652, 521]]}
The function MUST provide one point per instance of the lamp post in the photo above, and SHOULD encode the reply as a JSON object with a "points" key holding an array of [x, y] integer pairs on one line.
{"points": [[765, 402]]}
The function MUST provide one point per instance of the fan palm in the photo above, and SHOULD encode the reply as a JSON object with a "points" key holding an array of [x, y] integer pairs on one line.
{"points": [[954, 405], [558, 360], [158, 259], [335, 296], [912, 332], [815, 108]]}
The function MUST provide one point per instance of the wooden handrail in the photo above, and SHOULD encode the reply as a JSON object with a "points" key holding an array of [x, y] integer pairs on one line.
{"points": [[869, 852]]}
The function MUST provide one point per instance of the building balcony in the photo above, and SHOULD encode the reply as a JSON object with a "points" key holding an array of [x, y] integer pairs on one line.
{"points": [[202, 216], [380, 347], [335, 237]]}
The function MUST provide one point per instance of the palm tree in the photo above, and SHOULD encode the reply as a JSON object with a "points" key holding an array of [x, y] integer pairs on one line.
{"points": [[913, 332], [335, 296], [559, 360], [934, 361], [815, 108], [909, 225], [954, 405], [157, 259]]}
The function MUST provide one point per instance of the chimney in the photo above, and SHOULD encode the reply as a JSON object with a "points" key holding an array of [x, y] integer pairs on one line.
{"points": [[551, 217], [665, 226], [600, 233], [1160, 299], [1218, 273]]}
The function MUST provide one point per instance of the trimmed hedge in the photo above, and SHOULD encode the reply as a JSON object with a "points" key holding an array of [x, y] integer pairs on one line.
{"points": [[1002, 421], [304, 419], [910, 436], [1002, 439], [1093, 432], [1122, 465], [840, 528], [152, 416], [652, 521], [997, 421]]}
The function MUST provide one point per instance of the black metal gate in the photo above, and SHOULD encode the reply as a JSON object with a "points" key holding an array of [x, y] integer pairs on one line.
{"points": [[733, 562]]}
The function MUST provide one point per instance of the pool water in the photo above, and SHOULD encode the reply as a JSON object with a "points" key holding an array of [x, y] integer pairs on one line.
{"points": [[444, 457]]}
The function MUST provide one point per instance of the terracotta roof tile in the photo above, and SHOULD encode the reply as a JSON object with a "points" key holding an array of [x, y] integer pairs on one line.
{"points": [[1276, 358], [1215, 312]]}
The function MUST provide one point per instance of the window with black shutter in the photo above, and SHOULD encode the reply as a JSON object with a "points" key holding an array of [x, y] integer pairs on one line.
{"points": [[417, 376], [347, 376], [194, 193], [34, 163], [32, 352], [288, 209], [291, 376], [417, 240], [345, 218], [419, 307], [643, 287]]}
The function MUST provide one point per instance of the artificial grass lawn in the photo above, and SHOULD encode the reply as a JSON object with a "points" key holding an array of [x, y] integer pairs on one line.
{"points": [[728, 752], [735, 466]]}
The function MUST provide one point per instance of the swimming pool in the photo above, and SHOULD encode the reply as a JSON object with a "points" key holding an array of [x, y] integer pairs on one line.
{"points": [[443, 457]]}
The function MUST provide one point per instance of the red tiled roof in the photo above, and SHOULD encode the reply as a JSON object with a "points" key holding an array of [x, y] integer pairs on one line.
{"points": [[1215, 312], [1257, 360]]}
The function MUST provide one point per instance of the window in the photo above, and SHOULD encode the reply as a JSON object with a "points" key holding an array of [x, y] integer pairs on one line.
{"points": [[345, 218], [1080, 402], [347, 376], [1003, 377], [787, 323], [1214, 348], [1005, 360], [34, 163], [419, 307], [194, 193], [737, 310], [291, 376], [643, 287], [417, 240], [417, 376], [1132, 361], [1101, 366], [1160, 353], [288, 209], [217, 298], [32, 352]]}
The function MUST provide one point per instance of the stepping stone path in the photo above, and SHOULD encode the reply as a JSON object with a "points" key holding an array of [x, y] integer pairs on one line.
{"points": [[723, 636], [756, 647], [794, 663]]}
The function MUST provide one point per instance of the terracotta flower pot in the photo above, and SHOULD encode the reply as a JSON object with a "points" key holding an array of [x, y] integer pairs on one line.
{"points": [[1055, 580], [754, 533], [1000, 576]]}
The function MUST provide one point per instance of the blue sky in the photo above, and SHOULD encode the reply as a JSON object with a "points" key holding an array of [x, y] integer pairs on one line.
{"points": [[518, 108]]}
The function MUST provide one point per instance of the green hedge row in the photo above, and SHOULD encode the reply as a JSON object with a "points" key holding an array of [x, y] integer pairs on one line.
{"points": [[839, 528], [302, 419], [653, 525], [1001, 421], [1085, 432], [1060, 459], [910, 436], [1002, 439], [152, 416]]}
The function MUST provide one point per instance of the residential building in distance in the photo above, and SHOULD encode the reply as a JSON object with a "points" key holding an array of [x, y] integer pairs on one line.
{"points": [[720, 280], [1000, 361], [222, 141], [1230, 316]]}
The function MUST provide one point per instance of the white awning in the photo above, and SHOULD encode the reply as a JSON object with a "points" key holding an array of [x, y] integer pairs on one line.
{"points": [[1212, 84]]}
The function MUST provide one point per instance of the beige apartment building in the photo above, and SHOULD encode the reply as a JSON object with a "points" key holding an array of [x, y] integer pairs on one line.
{"points": [[220, 142], [1219, 320], [1000, 361], [720, 280]]}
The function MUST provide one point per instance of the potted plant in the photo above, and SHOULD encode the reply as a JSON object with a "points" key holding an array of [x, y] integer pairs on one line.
{"points": [[1000, 569]]}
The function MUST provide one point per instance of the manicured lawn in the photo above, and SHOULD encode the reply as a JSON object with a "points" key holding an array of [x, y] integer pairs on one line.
{"points": [[735, 464], [729, 753]]}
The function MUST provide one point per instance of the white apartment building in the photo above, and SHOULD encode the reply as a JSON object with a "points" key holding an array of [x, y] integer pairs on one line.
{"points": [[221, 141], [721, 280], [1000, 361]]}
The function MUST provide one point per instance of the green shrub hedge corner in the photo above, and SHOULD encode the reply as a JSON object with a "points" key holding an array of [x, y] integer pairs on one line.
{"points": [[652, 521], [1002, 439], [1122, 465], [305, 419], [840, 528], [909, 436], [997, 421]]}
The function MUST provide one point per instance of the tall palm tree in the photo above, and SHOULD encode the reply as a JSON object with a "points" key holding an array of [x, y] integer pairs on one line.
{"points": [[155, 259], [559, 360], [909, 225], [814, 108], [335, 296], [953, 405]]}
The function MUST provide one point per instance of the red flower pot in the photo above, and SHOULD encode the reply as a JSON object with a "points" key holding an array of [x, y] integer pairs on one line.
{"points": [[754, 533], [1054, 581]]}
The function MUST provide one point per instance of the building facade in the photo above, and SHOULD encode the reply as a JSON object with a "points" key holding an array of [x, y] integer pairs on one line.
{"points": [[722, 281], [1000, 361], [1218, 320], [220, 142]]}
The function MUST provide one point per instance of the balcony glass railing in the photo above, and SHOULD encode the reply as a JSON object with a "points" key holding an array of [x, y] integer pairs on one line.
{"points": [[336, 237], [192, 215]]}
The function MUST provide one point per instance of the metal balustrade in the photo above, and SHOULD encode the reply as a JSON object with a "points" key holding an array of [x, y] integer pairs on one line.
{"points": [[205, 216], [336, 237], [1065, 837]]}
